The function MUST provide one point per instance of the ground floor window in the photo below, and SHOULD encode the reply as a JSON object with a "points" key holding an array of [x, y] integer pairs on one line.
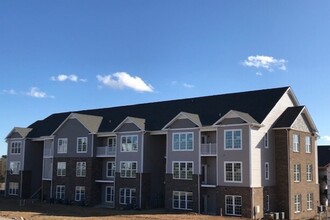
{"points": [[60, 192], [80, 193], [182, 200], [297, 203], [13, 188], [127, 196], [309, 201], [233, 205], [109, 194]]}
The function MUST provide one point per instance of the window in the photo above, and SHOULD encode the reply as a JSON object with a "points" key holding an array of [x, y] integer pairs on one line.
{"points": [[111, 169], [267, 203], [297, 203], [233, 140], [295, 143], [112, 141], [15, 147], [13, 188], [266, 171], [233, 172], [309, 201], [296, 172], [308, 145], [81, 169], [62, 145], [183, 141], [233, 205], [128, 169], [309, 172], [82, 145], [266, 140], [127, 196], [129, 143], [109, 194], [14, 167], [80, 193], [182, 200], [60, 192], [61, 168], [183, 170]]}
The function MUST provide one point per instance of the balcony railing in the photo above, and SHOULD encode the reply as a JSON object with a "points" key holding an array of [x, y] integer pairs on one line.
{"points": [[105, 151], [208, 149]]}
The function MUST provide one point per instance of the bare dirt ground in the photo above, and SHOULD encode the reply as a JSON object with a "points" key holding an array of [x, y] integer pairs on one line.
{"points": [[12, 210]]}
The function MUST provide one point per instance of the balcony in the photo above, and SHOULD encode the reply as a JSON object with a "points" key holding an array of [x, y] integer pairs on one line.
{"points": [[106, 151], [208, 149], [48, 152]]}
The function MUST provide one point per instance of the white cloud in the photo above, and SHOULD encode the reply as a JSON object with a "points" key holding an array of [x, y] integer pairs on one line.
{"points": [[121, 80], [9, 92], [259, 73], [266, 62], [186, 85], [63, 77], [37, 93], [326, 138]]}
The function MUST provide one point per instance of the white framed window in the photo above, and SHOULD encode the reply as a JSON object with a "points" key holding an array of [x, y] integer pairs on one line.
{"points": [[183, 141], [112, 141], [233, 139], [127, 196], [111, 169], [233, 205], [128, 169], [80, 193], [266, 171], [182, 200], [13, 188], [233, 172], [309, 172], [61, 168], [81, 169], [297, 203], [62, 145], [15, 147], [129, 143], [14, 167], [183, 170], [267, 203], [295, 143], [309, 201], [308, 145], [296, 172], [266, 142], [109, 194], [60, 192], [81, 144]]}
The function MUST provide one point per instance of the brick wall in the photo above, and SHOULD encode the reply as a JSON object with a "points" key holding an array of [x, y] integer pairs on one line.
{"points": [[127, 183]]}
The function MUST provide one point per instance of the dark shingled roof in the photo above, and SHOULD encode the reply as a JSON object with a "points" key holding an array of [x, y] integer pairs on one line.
{"points": [[324, 155], [288, 117], [209, 108]]}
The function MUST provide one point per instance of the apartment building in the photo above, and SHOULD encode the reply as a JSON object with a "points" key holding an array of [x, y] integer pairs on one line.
{"points": [[324, 173], [240, 154]]}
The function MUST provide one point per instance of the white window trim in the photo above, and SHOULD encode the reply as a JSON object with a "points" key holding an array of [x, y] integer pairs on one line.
{"points": [[308, 145], [13, 191], [309, 172], [233, 197], [295, 145], [108, 162], [112, 195], [59, 192], [296, 174], [297, 205], [181, 133], [136, 169], [233, 162], [113, 138], [81, 152], [58, 145], [80, 174], [130, 195], [186, 162], [179, 202], [232, 130], [126, 136], [309, 201], [266, 140], [61, 173], [267, 203], [267, 171], [19, 167], [11, 147], [81, 188]]}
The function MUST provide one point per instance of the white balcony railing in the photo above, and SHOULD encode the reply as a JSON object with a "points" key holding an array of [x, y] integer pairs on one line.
{"points": [[208, 149], [48, 152], [105, 151]]}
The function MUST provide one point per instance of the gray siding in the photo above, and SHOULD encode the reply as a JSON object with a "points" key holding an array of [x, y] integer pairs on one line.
{"points": [[228, 121], [16, 157], [15, 135], [182, 123], [128, 127]]}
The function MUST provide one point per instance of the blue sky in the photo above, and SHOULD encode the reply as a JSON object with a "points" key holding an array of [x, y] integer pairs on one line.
{"points": [[64, 55]]}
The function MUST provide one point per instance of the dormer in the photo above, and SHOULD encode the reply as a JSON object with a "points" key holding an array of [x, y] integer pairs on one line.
{"points": [[184, 120], [131, 124], [234, 117], [18, 132]]}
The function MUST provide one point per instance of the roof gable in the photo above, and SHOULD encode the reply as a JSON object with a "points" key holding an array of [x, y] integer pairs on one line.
{"points": [[139, 122], [194, 118], [23, 132], [237, 114]]}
